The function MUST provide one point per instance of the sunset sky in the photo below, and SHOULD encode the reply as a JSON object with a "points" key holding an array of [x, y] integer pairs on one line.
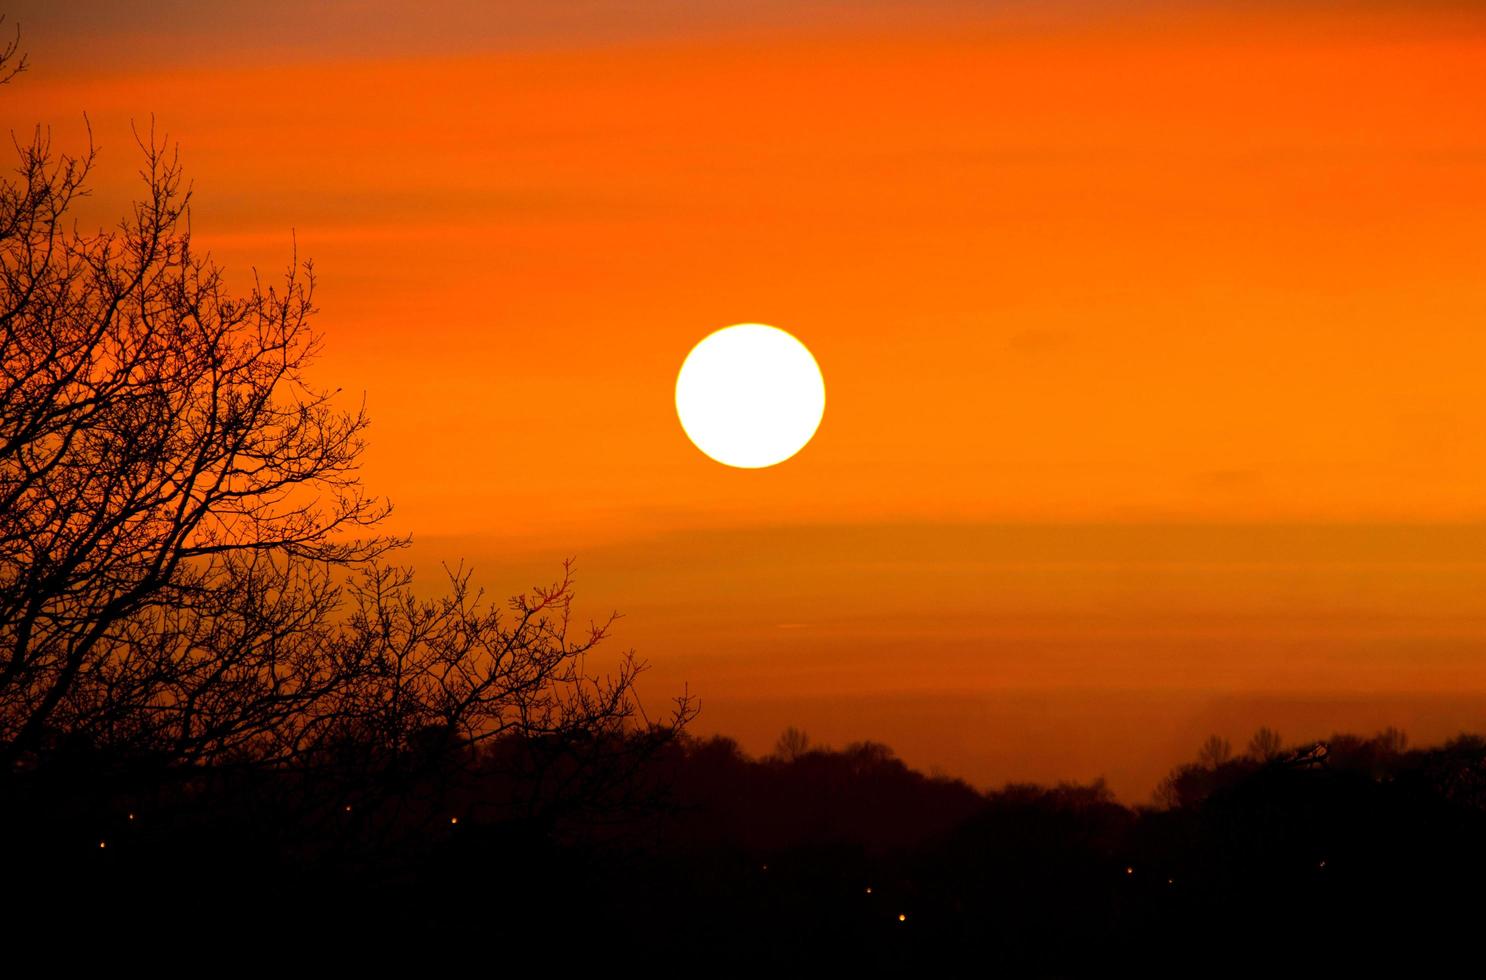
{"points": [[1152, 334]]}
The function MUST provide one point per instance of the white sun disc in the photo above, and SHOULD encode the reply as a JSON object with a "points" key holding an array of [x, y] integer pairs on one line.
{"points": [[750, 395]]}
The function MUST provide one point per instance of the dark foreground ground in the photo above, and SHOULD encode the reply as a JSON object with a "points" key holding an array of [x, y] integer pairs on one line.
{"points": [[703, 861]]}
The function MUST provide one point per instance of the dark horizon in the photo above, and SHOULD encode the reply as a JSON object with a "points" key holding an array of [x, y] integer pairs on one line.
{"points": [[810, 855]]}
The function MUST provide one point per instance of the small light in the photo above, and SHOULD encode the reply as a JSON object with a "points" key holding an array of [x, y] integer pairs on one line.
{"points": [[102, 844], [453, 820], [766, 867], [131, 816], [902, 917], [1322, 864], [1170, 882], [348, 808], [869, 889], [1129, 870]]}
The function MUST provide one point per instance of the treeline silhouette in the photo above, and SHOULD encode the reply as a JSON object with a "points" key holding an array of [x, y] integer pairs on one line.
{"points": [[1353, 847], [1334, 850]]}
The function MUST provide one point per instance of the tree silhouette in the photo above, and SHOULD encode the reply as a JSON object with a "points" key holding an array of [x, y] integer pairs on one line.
{"points": [[1265, 745], [12, 60], [1189, 784], [173, 494], [1392, 741], [180, 509], [791, 744], [1215, 751], [452, 686]]}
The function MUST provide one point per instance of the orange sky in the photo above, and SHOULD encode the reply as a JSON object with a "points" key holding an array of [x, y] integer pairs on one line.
{"points": [[1151, 336]]}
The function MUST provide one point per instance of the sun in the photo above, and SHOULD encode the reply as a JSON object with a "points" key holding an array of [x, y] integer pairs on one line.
{"points": [[750, 395]]}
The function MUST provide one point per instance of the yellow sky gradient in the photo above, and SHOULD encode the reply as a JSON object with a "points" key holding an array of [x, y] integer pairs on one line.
{"points": [[1152, 340]]}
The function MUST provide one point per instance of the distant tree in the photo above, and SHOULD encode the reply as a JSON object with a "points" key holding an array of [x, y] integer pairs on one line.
{"points": [[1265, 745], [1392, 741], [792, 744], [1467, 744], [1185, 785], [867, 756], [1191, 783], [1215, 751]]}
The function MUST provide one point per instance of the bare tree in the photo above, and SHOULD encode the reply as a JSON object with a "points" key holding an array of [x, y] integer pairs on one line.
{"points": [[12, 60], [1265, 745], [1215, 751], [439, 680], [180, 510], [1392, 741], [172, 490], [792, 744]]}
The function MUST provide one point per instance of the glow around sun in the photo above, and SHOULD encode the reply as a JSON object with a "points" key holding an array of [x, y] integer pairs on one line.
{"points": [[750, 395]]}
